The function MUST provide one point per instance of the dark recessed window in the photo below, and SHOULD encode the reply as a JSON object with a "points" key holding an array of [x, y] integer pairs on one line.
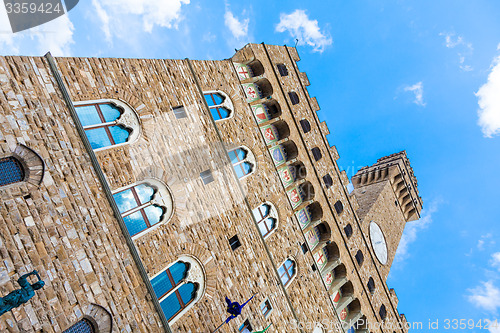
{"points": [[396, 202], [339, 207], [245, 325], [306, 127], [234, 242], [348, 230], [207, 176], [359, 257], [294, 98], [265, 308], [313, 267], [382, 312], [282, 69], [327, 179], [180, 112], [371, 285], [304, 248], [316, 153]]}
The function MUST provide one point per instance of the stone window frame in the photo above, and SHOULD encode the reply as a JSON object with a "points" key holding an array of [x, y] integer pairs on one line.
{"points": [[266, 304], [250, 158], [291, 278], [227, 104], [32, 164], [196, 274], [273, 213], [162, 197], [99, 318], [128, 119]]}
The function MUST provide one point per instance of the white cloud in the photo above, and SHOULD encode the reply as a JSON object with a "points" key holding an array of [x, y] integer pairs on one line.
{"points": [[412, 229], [418, 90], [485, 296], [494, 326], [495, 260], [55, 36], [238, 28], [305, 30], [486, 239], [128, 15], [452, 41], [489, 102]]}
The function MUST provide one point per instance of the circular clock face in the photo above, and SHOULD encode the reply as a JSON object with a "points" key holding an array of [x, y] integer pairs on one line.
{"points": [[378, 243]]}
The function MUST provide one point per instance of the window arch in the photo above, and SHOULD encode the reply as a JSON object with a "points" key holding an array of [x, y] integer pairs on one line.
{"points": [[339, 207], [348, 230], [359, 257], [144, 205], [179, 287], [371, 285], [243, 161], [219, 103], [11, 171], [287, 271], [316, 153], [294, 98], [266, 217], [108, 122], [306, 127], [382, 312], [81, 326]]}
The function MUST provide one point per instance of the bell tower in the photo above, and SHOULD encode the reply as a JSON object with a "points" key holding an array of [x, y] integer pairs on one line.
{"points": [[388, 197]]}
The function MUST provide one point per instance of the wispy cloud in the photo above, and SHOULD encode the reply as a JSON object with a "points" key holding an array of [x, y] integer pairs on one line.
{"points": [[495, 260], [485, 296], [464, 48], [305, 30], [486, 239], [489, 102], [130, 15], [418, 90], [238, 28], [413, 228]]}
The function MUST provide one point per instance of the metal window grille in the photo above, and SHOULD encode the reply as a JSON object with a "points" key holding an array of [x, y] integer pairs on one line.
{"points": [[11, 171], [82, 326]]}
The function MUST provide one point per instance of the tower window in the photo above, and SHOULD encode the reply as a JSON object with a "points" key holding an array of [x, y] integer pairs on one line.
{"points": [[105, 124], [359, 257], [316, 153], [180, 112], [306, 126], [239, 159], [264, 215], [11, 171], [246, 327], [382, 312], [207, 176], [348, 230], [327, 179], [234, 242], [371, 285], [82, 326], [286, 271], [339, 207], [304, 248], [282, 69], [219, 104], [265, 308], [294, 98]]}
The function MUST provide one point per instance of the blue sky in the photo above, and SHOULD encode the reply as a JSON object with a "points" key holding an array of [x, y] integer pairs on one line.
{"points": [[417, 75]]}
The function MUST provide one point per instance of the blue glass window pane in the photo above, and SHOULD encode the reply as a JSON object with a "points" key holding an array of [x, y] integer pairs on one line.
{"points": [[135, 223], [178, 271], [291, 270], [270, 222], [263, 229], [188, 292], [232, 157], [224, 113], [281, 270], [98, 138], [82, 326], [170, 306], [119, 134], [239, 171], [125, 200], [153, 213], [247, 167], [161, 284], [88, 115], [284, 279], [110, 112], [214, 99], [11, 171], [241, 154], [145, 193], [215, 114]]}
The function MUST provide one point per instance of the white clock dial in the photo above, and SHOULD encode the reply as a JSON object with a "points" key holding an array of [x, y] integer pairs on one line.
{"points": [[378, 243]]}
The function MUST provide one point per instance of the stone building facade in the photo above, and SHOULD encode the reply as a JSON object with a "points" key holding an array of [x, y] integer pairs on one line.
{"points": [[145, 191]]}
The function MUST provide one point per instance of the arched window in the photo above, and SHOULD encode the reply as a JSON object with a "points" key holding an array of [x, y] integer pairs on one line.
{"points": [[371, 285], [107, 122], [294, 98], [348, 230], [219, 103], [339, 207], [179, 287], [82, 326], [286, 271], [382, 312], [359, 257], [242, 161], [327, 179], [266, 218], [306, 127], [11, 171], [143, 205], [316, 153], [282, 69]]}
